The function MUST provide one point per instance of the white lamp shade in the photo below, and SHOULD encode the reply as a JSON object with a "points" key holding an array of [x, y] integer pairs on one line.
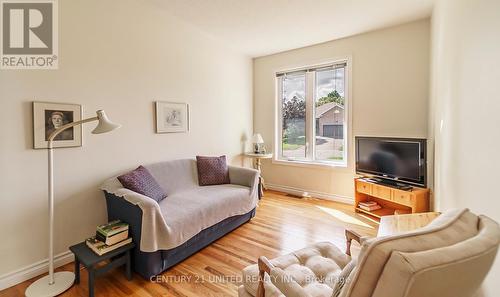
{"points": [[104, 125], [257, 138]]}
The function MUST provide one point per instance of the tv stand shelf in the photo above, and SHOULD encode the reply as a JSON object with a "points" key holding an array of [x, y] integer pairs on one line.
{"points": [[392, 200], [379, 213]]}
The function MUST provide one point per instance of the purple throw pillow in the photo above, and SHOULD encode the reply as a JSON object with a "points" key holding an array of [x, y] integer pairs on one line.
{"points": [[142, 182], [212, 170]]}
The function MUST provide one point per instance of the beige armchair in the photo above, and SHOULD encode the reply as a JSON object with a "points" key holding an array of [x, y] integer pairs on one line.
{"points": [[448, 258]]}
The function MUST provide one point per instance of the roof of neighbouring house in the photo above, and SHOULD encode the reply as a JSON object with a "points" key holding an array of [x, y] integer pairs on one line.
{"points": [[322, 109]]}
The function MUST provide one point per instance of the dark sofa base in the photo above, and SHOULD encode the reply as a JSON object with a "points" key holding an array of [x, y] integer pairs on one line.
{"points": [[151, 264]]}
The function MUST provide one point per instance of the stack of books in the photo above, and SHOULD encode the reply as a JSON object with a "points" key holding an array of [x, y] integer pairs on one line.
{"points": [[369, 205], [109, 237]]}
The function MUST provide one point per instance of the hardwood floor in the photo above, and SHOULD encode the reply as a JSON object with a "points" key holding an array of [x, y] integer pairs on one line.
{"points": [[282, 224]]}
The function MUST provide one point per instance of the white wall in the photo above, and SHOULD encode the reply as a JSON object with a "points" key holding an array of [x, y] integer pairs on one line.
{"points": [[119, 56], [390, 75], [464, 109]]}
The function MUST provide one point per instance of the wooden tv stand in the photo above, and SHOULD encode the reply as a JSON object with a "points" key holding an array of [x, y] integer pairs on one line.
{"points": [[391, 199]]}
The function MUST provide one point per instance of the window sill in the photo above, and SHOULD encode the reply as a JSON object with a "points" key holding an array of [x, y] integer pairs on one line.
{"points": [[311, 164]]}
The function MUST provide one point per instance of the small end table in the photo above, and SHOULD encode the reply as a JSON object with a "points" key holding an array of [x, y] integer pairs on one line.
{"points": [[256, 164], [84, 255], [390, 225]]}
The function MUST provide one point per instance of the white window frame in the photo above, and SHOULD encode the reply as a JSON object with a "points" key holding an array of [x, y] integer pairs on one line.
{"points": [[310, 161]]}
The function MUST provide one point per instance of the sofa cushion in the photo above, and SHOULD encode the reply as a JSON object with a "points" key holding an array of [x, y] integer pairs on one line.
{"points": [[212, 170], [312, 271], [142, 182], [175, 175], [187, 213]]}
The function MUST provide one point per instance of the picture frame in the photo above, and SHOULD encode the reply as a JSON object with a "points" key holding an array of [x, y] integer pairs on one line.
{"points": [[172, 117], [47, 116]]}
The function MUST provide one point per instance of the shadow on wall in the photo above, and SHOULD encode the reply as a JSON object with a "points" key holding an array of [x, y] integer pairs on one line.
{"points": [[81, 227], [241, 159], [69, 228], [479, 293], [27, 109]]}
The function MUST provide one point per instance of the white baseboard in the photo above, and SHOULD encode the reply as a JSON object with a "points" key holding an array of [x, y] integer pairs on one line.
{"points": [[18, 276], [315, 194]]}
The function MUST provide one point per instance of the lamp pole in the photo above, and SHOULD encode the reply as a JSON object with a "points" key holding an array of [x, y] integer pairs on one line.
{"points": [[55, 283], [50, 146]]}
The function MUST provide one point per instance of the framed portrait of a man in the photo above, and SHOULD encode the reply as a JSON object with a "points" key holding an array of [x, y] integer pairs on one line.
{"points": [[171, 117], [47, 117]]}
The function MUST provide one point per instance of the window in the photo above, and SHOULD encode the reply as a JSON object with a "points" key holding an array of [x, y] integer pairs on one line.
{"points": [[312, 114]]}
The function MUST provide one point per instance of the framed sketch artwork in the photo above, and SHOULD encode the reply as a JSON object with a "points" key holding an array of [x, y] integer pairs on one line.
{"points": [[172, 117], [49, 116]]}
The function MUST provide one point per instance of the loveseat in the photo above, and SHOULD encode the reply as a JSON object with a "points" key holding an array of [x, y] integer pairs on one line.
{"points": [[188, 219]]}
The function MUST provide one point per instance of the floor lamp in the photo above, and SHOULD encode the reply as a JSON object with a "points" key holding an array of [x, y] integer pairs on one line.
{"points": [[55, 283]]}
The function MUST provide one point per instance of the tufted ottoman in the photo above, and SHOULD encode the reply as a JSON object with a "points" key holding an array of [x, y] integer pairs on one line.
{"points": [[312, 271]]}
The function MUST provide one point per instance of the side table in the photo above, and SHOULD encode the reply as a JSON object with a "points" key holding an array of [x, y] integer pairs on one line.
{"points": [[390, 225], [257, 165], [84, 255]]}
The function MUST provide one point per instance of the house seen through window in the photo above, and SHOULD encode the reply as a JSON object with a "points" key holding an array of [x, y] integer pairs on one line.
{"points": [[312, 114]]}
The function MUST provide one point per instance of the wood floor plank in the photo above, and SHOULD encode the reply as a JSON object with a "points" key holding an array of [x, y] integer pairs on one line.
{"points": [[282, 224]]}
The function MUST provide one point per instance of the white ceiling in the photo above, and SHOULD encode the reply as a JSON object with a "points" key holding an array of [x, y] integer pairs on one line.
{"points": [[263, 27]]}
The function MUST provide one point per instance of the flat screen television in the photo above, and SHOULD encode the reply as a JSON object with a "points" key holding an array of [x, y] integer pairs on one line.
{"points": [[393, 159]]}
